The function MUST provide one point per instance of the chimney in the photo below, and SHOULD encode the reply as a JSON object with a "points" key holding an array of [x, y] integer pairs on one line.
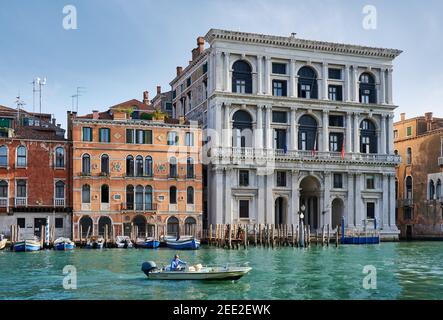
{"points": [[402, 116], [159, 90], [146, 97], [95, 114], [179, 71], [200, 48], [53, 121], [428, 119]]}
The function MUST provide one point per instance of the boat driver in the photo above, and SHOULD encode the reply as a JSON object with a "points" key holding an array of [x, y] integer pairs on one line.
{"points": [[176, 263]]}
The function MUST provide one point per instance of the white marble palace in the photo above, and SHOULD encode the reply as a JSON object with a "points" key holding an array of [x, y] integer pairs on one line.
{"points": [[293, 124]]}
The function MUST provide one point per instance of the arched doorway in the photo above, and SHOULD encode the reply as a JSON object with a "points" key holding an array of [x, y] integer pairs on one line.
{"points": [[309, 197], [139, 222], [281, 211], [86, 227], [337, 212], [190, 226], [242, 129], [173, 227], [102, 223]]}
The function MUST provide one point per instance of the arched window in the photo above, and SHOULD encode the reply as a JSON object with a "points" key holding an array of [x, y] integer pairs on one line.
{"points": [[139, 166], [368, 137], [86, 164], [173, 173], [190, 195], [105, 224], [438, 190], [173, 227], [86, 226], [409, 156], [149, 169], [148, 198], [129, 166], [130, 197], [3, 156], [241, 77], [21, 156], [173, 195], [190, 226], [431, 190], [59, 190], [105, 164], [307, 133], [105, 193], [367, 88], [242, 129], [307, 83], [59, 157], [139, 190], [3, 193], [408, 190], [190, 168], [86, 193], [139, 222]]}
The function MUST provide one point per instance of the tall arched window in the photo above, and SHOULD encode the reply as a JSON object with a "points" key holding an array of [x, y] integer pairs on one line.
{"points": [[86, 193], [173, 195], [190, 195], [3, 156], [307, 133], [173, 228], [129, 166], [307, 83], [408, 190], [190, 226], [59, 157], [3, 193], [149, 169], [438, 190], [368, 137], [86, 164], [190, 168], [105, 193], [59, 190], [105, 164], [139, 190], [148, 198], [367, 88], [242, 129], [130, 197], [173, 172], [409, 156], [431, 190], [139, 166], [21, 156], [241, 77]]}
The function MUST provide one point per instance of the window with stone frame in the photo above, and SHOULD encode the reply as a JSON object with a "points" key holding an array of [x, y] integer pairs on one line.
{"points": [[243, 178], [281, 179], [338, 181]]}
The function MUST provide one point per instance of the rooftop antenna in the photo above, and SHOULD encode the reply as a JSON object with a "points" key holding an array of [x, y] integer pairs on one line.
{"points": [[34, 90], [80, 90], [293, 34], [19, 103], [37, 82]]}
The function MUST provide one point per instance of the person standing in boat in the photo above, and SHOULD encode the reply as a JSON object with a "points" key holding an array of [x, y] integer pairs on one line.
{"points": [[176, 263]]}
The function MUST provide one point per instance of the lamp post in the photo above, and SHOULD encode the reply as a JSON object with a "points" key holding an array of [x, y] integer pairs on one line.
{"points": [[302, 229]]}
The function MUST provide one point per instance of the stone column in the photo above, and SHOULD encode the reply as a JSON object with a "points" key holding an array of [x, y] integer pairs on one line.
{"points": [[259, 128], [294, 133], [227, 72], [228, 195], [327, 200], [382, 94], [356, 133], [356, 83], [268, 70], [348, 132], [292, 79], [325, 127], [325, 81], [358, 200], [392, 223], [350, 219], [269, 144], [390, 146], [383, 134], [347, 85], [218, 71], [218, 123], [389, 85], [227, 127], [259, 75], [384, 223], [295, 196], [269, 198], [217, 214], [261, 199]]}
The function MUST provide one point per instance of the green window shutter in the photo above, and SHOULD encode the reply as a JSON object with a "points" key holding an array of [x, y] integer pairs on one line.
{"points": [[100, 133]]}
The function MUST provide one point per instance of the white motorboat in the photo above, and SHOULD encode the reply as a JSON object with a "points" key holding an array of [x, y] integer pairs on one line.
{"points": [[197, 272], [123, 242]]}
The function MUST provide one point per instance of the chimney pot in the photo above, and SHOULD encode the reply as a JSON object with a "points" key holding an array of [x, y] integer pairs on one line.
{"points": [[179, 71], [159, 89], [402, 116], [95, 114], [146, 97]]}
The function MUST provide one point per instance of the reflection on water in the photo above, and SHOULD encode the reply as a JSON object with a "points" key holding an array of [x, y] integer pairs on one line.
{"points": [[404, 271]]}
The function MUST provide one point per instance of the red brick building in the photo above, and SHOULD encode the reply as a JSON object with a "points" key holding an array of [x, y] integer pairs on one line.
{"points": [[35, 173]]}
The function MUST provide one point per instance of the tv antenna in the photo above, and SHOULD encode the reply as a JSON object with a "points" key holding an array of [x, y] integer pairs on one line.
{"points": [[37, 85], [75, 97], [19, 103]]}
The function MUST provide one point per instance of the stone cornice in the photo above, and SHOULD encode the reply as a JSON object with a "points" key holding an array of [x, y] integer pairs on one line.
{"points": [[132, 123], [292, 42]]}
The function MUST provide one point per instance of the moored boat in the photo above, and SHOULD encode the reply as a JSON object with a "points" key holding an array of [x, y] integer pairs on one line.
{"points": [[3, 242], [123, 242], [183, 243], [197, 272], [148, 243], [95, 243], [26, 245], [64, 244]]}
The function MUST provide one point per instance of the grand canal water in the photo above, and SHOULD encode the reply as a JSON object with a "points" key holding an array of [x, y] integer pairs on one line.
{"points": [[404, 271]]}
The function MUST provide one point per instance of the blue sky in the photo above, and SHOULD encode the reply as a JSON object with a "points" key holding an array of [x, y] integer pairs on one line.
{"points": [[123, 47]]}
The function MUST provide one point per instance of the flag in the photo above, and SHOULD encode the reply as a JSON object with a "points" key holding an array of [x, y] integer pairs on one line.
{"points": [[343, 149], [314, 150]]}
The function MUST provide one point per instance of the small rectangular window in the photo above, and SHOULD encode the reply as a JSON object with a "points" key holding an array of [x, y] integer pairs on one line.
{"points": [[336, 142], [244, 208], [130, 136], [87, 134], [189, 139], [278, 68], [336, 121], [395, 134], [281, 179], [21, 222], [370, 182], [334, 73], [279, 88], [279, 117], [59, 223], [188, 82], [409, 131], [370, 210], [244, 178], [338, 181], [104, 135], [335, 93], [172, 138]]}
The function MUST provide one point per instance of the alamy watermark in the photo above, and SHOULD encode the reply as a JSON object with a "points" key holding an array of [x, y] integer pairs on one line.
{"points": [[370, 280], [70, 17], [370, 19], [70, 279]]}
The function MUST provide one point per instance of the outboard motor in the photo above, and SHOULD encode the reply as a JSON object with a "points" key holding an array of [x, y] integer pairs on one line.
{"points": [[148, 267]]}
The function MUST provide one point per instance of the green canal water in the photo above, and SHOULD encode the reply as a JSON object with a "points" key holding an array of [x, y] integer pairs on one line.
{"points": [[404, 271]]}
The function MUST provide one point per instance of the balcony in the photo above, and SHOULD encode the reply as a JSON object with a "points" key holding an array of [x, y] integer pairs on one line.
{"points": [[440, 161], [130, 206], [295, 155], [3, 202], [21, 202], [59, 202]]}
